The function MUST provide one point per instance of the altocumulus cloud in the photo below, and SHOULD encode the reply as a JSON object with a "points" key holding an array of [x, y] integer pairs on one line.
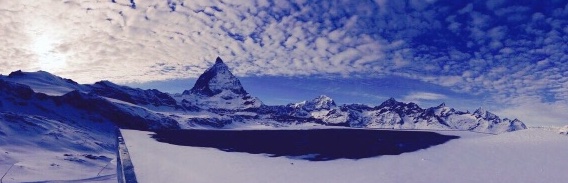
{"points": [[514, 51], [420, 96]]}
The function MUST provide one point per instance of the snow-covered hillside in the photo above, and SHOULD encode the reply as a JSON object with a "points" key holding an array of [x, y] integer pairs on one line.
{"points": [[50, 125], [67, 137], [44, 82], [39, 149], [533, 155]]}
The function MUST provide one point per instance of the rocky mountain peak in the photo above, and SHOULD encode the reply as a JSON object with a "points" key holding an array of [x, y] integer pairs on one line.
{"points": [[480, 112], [216, 79], [321, 102], [219, 60], [389, 103], [484, 114]]}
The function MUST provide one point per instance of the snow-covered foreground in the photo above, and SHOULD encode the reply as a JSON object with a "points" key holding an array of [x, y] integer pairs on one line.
{"points": [[33, 148], [533, 155], [38, 164]]}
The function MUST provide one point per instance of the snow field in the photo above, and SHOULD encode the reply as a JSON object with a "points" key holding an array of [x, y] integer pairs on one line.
{"points": [[532, 155]]}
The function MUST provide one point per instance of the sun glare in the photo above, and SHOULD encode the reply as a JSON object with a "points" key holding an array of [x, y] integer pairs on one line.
{"points": [[48, 58]]}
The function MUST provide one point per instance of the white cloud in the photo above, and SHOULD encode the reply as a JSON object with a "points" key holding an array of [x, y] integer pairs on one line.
{"points": [[416, 97], [399, 61], [538, 114], [465, 48]]}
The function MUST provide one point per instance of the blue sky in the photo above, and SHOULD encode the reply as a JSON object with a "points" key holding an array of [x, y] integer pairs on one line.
{"points": [[508, 56]]}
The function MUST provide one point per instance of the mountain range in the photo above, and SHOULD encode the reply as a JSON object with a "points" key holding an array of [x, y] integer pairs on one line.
{"points": [[218, 100]]}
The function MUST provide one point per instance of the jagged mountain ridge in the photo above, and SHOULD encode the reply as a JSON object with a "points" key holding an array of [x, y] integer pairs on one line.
{"points": [[47, 83], [132, 95], [323, 110], [393, 114], [22, 100], [218, 100], [218, 88]]}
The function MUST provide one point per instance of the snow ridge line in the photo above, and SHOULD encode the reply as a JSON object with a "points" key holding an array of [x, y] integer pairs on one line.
{"points": [[124, 167]]}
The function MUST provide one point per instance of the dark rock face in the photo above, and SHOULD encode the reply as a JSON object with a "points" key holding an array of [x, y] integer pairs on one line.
{"points": [[92, 103], [215, 80], [131, 95], [16, 73], [401, 108], [122, 118], [80, 104], [15, 89]]}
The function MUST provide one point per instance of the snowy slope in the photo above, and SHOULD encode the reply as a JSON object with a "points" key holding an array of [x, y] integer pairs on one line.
{"points": [[67, 137], [533, 155], [41, 149], [132, 95], [45, 138], [44, 82]]}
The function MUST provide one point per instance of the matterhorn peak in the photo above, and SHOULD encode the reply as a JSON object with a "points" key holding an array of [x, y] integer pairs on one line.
{"points": [[442, 105], [218, 88], [219, 60], [217, 79]]}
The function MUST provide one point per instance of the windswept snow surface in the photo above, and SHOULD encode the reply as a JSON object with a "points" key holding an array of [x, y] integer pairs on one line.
{"points": [[41, 149], [533, 155]]}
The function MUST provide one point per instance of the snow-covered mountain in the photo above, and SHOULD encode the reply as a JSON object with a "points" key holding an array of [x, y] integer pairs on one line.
{"points": [[218, 88], [45, 82], [132, 95], [218, 100], [50, 126], [49, 138], [220, 92], [391, 114], [89, 107]]}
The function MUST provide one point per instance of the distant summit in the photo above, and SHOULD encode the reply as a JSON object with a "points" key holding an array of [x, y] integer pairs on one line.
{"points": [[216, 79], [218, 88], [320, 102]]}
